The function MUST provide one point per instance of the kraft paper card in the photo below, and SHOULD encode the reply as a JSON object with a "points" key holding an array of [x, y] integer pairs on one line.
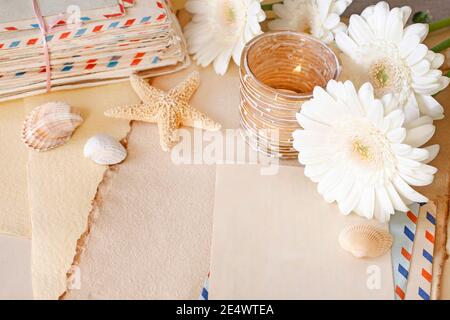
{"points": [[14, 212], [275, 238], [62, 184]]}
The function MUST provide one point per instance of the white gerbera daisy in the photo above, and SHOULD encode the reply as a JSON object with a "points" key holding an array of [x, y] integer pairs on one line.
{"points": [[321, 18], [393, 59], [360, 153], [220, 28]]}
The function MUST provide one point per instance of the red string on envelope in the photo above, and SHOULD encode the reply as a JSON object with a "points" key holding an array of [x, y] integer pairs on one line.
{"points": [[44, 30]]}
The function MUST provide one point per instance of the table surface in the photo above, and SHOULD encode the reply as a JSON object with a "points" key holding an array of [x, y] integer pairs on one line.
{"points": [[439, 191]]}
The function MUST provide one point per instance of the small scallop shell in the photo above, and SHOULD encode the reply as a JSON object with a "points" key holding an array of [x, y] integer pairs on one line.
{"points": [[365, 240], [104, 150], [50, 125]]}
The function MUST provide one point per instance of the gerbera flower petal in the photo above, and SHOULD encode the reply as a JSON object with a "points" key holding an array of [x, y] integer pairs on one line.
{"points": [[408, 44], [380, 14], [428, 169], [316, 171], [421, 68], [419, 122], [345, 43], [328, 183], [332, 21], [433, 151], [413, 179], [340, 6], [418, 154], [308, 123], [321, 18], [394, 26], [384, 203], [395, 198], [222, 61], [428, 89], [419, 29], [406, 13], [418, 136], [411, 108], [237, 51], [344, 188], [417, 54], [437, 59], [367, 202], [196, 7], [359, 30], [393, 120], [366, 95], [407, 191], [401, 149], [347, 205], [397, 135]]}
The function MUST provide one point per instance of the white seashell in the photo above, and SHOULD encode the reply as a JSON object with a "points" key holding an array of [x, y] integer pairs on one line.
{"points": [[104, 150], [50, 125], [365, 240]]}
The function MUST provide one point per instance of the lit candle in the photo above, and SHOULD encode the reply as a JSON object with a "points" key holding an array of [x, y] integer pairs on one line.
{"points": [[278, 73]]}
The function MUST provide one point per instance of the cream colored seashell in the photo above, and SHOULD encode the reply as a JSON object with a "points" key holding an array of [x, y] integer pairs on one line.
{"points": [[50, 125], [104, 150], [365, 240]]}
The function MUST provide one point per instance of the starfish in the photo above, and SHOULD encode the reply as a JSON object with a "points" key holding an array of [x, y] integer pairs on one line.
{"points": [[169, 110]]}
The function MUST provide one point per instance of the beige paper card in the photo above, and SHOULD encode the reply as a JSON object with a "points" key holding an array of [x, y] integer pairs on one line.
{"points": [[14, 212], [274, 237], [62, 184]]}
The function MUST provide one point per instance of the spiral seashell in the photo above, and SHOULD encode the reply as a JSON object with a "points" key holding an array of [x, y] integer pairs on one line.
{"points": [[104, 150], [50, 125], [365, 240]]}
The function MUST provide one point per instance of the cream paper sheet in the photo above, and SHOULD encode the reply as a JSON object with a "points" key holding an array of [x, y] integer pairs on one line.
{"points": [[151, 230], [62, 184], [14, 212], [275, 238], [15, 270]]}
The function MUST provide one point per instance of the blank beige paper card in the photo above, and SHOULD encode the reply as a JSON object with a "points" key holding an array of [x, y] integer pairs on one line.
{"points": [[14, 212], [274, 237], [62, 184]]}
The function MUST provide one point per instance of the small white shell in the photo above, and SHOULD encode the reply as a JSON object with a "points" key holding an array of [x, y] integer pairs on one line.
{"points": [[365, 240], [50, 125], [104, 150]]}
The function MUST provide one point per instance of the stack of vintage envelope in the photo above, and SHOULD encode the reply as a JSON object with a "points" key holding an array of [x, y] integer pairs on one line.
{"points": [[89, 43]]}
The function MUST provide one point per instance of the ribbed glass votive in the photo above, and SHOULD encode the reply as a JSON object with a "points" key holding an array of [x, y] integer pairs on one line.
{"points": [[278, 73]]}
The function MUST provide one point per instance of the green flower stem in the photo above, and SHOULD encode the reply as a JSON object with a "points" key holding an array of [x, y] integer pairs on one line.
{"points": [[267, 7], [440, 24], [447, 74], [442, 46]]}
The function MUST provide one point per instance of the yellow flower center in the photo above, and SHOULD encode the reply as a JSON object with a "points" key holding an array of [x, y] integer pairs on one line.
{"points": [[229, 14], [362, 150], [382, 75]]}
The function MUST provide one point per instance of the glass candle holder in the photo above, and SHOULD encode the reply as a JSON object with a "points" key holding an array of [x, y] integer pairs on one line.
{"points": [[278, 73]]}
